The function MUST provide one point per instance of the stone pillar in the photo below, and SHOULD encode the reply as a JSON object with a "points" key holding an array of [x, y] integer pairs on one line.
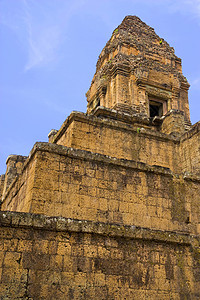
{"points": [[51, 135], [142, 99], [173, 123], [15, 164]]}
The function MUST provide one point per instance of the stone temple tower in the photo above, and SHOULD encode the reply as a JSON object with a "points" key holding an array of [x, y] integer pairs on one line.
{"points": [[109, 207], [138, 72]]}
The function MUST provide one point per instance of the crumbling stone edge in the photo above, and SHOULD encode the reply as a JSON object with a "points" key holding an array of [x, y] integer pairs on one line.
{"points": [[119, 120], [195, 129], [42, 222], [90, 156]]}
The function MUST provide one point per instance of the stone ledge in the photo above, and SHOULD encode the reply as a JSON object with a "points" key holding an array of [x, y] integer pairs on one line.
{"points": [[114, 119], [191, 177], [195, 129], [88, 156], [42, 222], [117, 115], [91, 156]]}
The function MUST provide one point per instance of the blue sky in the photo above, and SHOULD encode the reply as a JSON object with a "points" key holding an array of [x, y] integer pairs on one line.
{"points": [[49, 50]]}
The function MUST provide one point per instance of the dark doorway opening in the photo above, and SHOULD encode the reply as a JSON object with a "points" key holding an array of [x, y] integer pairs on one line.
{"points": [[155, 109]]}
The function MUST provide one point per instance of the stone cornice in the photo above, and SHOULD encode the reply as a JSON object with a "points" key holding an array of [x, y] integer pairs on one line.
{"points": [[61, 224], [99, 158], [90, 156], [114, 119]]}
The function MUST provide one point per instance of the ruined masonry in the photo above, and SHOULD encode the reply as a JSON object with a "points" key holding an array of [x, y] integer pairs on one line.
{"points": [[109, 208]]}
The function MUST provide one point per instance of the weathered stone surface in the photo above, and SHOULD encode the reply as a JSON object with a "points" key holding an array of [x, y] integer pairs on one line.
{"points": [[109, 208], [59, 224], [79, 184], [15, 165], [84, 260]]}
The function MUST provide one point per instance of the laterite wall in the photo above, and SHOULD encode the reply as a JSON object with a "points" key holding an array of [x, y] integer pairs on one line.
{"points": [[60, 181], [57, 258]]}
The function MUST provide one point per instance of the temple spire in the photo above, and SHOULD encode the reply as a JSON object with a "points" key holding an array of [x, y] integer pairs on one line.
{"points": [[138, 72]]}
